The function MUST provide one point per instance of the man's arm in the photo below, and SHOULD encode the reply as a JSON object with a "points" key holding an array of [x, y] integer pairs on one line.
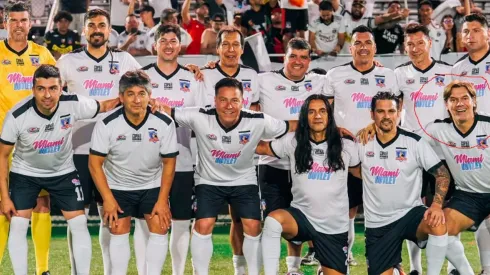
{"points": [[8, 208], [186, 16], [264, 148], [107, 105], [139, 52], [442, 184], [205, 43]]}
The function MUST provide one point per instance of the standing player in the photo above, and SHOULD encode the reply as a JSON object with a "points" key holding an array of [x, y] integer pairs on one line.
{"points": [[20, 58], [352, 86], [227, 136], [40, 127], [475, 68], [128, 149], [320, 206], [174, 86], [282, 93], [391, 168], [94, 71], [436, 32]]}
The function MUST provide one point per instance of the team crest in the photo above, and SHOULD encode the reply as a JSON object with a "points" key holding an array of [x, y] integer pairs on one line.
{"points": [[65, 122], [481, 142], [308, 86], [244, 137], [487, 68], [410, 81], [247, 86], [401, 154], [380, 81], [153, 135], [35, 60], [440, 80], [114, 67], [6, 62], [184, 86]]}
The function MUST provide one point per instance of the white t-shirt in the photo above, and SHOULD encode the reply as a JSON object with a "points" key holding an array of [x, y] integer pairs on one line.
{"points": [[326, 36], [119, 11], [348, 24], [160, 5], [438, 37], [142, 41]]}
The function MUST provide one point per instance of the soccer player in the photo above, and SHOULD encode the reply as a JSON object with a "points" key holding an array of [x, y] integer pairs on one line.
{"points": [[225, 170], [475, 67], [40, 128], [129, 146], [391, 167], [94, 71], [174, 86], [320, 206], [19, 59], [282, 93], [352, 86]]}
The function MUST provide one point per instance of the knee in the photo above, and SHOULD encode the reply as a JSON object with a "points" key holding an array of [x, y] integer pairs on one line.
{"points": [[438, 230], [272, 227], [251, 227], [154, 227], [204, 226]]}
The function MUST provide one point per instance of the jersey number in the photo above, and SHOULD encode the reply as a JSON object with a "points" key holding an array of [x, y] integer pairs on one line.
{"points": [[79, 192]]}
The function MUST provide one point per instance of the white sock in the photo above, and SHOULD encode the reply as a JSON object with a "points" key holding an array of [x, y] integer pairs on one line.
{"points": [[70, 246], [201, 251], [82, 244], [87, 210], [120, 254], [271, 245], [252, 253], [436, 253], [17, 244], [351, 235], [179, 245], [239, 265], [450, 266], [483, 240], [415, 256], [104, 241], [293, 263], [140, 239], [455, 254], [156, 253]]}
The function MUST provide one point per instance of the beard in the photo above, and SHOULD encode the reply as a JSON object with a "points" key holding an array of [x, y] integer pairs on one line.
{"points": [[97, 44], [356, 16]]}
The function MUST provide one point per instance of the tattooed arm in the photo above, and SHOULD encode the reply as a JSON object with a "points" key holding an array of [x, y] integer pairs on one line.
{"points": [[435, 213]]}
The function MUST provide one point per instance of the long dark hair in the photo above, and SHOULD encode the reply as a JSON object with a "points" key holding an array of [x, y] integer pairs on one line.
{"points": [[302, 153]]}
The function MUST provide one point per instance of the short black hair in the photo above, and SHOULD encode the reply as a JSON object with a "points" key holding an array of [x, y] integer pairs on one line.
{"points": [[134, 78], [166, 13], [318, 71], [97, 12], [228, 82], [426, 2], [163, 29], [413, 28], [298, 43], [63, 15], [325, 6], [384, 96], [148, 8], [16, 7], [229, 29], [394, 2], [478, 17], [46, 71], [362, 29]]}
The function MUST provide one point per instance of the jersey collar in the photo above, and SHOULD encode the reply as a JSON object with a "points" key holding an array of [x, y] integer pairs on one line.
{"points": [[137, 127], [481, 59], [14, 51], [218, 67], [384, 145], [227, 130], [317, 143], [167, 77], [477, 117], [426, 69], [41, 114], [96, 59], [284, 75], [365, 72]]}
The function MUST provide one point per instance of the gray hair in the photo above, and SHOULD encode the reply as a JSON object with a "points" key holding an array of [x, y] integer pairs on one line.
{"points": [[134, 78]]}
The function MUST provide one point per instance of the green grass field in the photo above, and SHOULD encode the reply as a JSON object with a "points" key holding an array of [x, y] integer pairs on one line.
{"points": [[221, 263]]}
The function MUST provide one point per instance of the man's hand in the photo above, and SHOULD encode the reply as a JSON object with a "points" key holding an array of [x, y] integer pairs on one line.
{"points": [[377, 63], [131, 38], [367, 134], [8, 208], [404, 13], [196, 71], [319, 52], [434, 215], [157, 106], [344, 132], [111, 210], [333, 53], [211, 64], [162, 210]]}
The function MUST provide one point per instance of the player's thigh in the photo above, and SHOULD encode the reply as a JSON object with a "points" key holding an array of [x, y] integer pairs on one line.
{"points": [[331, 251], [65, 191], [147, 202], [301, 20], [209, 200], [128, 201], [275, 186], [245, 201], [181, 195], [24, 190], [88, 185], [465, 210]]}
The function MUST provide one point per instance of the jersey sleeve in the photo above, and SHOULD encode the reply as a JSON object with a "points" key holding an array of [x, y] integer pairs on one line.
{"points": [[100, 139], [168, 143], [255, 89], [350, 148], [185, 117], [48, 58], [427, 157], [48, 40], [199, 96], [432, 129], [274, 128], [132, 63], [312, 28], [86, 108], [328, 89], [61, 65], [10, 131], [394, 84], [342, 28], [283, 147]]}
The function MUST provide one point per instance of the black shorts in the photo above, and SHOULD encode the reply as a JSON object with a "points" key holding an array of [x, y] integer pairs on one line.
{"points": [[475, 206], [136, 203], [181, 196], [243, 199], [330, 249], [354, 190], [384, 244], [275, 188], [294, 20], [89, 189], [65, 191], [428, 180]]}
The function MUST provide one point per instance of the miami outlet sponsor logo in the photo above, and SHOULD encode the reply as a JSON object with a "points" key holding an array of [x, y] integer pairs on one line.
{"points": [[48, 147], [480, 89], [221, 157], [469, 163], [361, 100], [19, 81], [319, 172], [171, 103], [423, 100], [382, 176], [96, 88], [293, 104]]}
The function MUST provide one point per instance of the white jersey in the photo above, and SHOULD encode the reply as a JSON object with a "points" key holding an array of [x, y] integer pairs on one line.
{"points": [[134, 152], [246, 75], [470, 167], [97, 78], [320, 193], [326, 36], [3, 34], [478, 73], [282, 98], [392, 176], [112, 43], [348, 24], [177, 90], [225, 156], [438, 37], [43, 144], [353, 91], [142, 41], [185, 37]]}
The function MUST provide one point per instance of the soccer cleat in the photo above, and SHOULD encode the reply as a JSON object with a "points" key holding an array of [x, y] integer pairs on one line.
{"points": [[351, 261], [454, 272], [414, 272], [309, 259], [46, 273], [295, 273], [483, 272]]}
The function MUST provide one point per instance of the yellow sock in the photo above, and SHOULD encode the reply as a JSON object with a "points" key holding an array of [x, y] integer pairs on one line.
{"points": [[41, 236], [4, 234]]}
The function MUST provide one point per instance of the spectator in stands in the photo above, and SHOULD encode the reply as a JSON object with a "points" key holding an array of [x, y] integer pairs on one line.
{"points": [[295, 21], [216, 7], [237, 20], [62, 40], [324, 31], [451, 37], [389, 36], [208, 40], [170, 16], [338, 8], [436, 32], [313, 11], [273, 43], [461, 13], [147, 14], [254, 20], [133, 40], [119, 10], [269, 6], [195, 27], [77, 9], [3, 31], [161, 5]]}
